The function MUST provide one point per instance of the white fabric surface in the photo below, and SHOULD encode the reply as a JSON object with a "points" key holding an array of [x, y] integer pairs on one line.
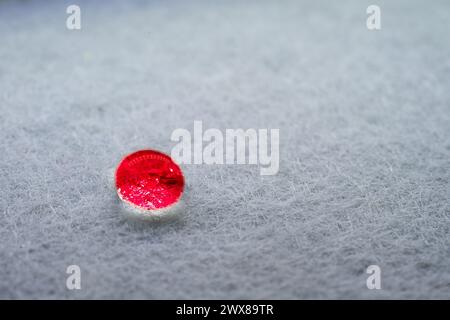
{"points": [[364, 122]]}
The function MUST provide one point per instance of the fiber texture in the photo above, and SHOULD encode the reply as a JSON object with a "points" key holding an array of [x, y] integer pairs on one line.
{"points": [[364, 120]]}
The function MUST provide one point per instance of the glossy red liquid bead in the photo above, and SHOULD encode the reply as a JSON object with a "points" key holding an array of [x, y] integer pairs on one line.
{"points": [[149, 180]]}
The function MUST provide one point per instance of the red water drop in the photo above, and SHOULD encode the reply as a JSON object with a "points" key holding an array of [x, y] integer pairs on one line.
{"points": [[149, 180]]}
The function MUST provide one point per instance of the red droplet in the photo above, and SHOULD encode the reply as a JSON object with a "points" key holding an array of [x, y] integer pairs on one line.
{"points": [[149, 180]]}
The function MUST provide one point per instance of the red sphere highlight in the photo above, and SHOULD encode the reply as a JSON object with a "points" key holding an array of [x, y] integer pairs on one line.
{"points": [[149, 180]]}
